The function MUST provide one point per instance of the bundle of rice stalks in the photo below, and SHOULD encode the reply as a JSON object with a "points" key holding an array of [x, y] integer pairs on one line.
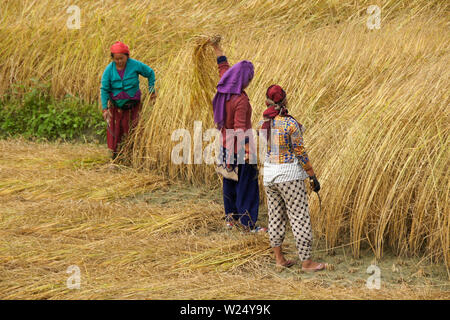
{"points": [[226, 257], [83, 185], [83, 217], [63, 174], [195, 104], [204, 77]]}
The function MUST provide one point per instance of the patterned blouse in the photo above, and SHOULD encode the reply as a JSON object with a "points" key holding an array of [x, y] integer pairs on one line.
{"points": [[287, 142]]}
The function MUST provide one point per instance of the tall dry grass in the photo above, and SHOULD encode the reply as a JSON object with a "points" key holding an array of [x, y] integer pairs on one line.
{"points": [[375, 103]]}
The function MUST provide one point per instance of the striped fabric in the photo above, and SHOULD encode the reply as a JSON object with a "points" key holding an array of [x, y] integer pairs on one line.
{"points": [[283, 172]]}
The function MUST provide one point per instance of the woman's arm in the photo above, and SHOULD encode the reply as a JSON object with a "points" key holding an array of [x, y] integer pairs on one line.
{"points": [[300, 152], [299, 148], [240, 123], [147, 72], [221, 59], [105, 88], [217, 49]]}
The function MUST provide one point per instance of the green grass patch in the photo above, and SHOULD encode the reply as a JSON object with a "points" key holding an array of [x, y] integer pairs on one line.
{"points": [[31, 112]]}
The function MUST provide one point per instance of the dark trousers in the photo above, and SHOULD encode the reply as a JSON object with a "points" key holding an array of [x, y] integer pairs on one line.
{"points": [[241, 198]]}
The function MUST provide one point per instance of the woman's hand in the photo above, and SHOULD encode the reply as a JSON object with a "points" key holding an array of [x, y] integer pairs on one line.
{"points": [[107, 115], [315, 183], [247, 153], [153, 97], [215, 43], [218, 50]]}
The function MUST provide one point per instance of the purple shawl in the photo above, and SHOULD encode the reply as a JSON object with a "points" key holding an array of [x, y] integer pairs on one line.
{"points": [[233, 81]]}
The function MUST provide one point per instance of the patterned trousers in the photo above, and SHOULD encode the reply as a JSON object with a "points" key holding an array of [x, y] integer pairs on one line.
{"points": [[288, 200]]}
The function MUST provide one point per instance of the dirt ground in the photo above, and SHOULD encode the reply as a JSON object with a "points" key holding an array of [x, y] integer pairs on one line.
{"points": [[136, 235]]}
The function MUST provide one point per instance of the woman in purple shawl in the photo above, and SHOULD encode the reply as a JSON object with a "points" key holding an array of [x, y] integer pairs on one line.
{"points": [[232, 115]]}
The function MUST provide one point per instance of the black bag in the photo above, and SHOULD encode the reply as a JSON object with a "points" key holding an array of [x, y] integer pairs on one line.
{"points": [[130, 104]]}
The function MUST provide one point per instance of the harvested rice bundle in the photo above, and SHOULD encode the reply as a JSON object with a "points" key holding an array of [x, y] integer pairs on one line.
{"points": [[204, 77]]}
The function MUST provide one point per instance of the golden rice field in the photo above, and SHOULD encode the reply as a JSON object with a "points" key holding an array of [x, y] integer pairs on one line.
{"points": [[375, 104], [156, 238]]}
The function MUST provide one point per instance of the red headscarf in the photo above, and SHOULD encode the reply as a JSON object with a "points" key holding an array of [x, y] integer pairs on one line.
{"points": [[120, 47], [276, 101]]}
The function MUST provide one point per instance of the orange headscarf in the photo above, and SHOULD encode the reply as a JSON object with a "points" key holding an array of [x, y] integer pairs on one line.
{"points": [[120, 47]]}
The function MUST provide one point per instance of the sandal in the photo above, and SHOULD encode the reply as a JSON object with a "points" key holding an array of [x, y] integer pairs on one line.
{"points": [[287, 264], [230, 222], [258, 230], [320, 267]]}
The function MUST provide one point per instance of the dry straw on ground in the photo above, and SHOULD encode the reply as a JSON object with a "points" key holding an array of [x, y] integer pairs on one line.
{"points": [[131, 247], [374, 102]]}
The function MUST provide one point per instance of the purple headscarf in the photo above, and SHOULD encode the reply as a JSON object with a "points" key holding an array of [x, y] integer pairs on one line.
{"points": [[233, 81]]}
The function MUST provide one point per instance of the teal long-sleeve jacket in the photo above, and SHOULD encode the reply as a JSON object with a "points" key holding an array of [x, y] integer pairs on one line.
{"points": [[112, 83]]}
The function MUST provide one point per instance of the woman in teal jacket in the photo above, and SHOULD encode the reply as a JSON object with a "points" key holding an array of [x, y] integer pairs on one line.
{"points": [[120, 93]]}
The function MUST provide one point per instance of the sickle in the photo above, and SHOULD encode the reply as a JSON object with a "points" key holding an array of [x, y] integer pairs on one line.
{"points": [[320, 200], [110, 131]]}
